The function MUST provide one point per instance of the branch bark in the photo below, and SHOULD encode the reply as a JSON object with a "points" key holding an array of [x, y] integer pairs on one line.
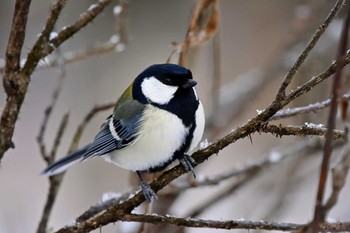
{"points": [[14, 83]]}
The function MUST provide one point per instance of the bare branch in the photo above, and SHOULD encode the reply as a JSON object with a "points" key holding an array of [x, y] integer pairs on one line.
{"points": [[217, 224], [281, 94], [15, 86], [339, 174], [16, 39], [84, 19], [86, 120], [305, 109], [307, 129], [319, 213], [41, 47], [103, 205], [275, 156], [48, 111], [200, 30]]}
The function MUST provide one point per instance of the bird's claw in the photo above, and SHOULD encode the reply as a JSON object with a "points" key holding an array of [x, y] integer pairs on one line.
{"points": [[187, 162], [149, 194]]}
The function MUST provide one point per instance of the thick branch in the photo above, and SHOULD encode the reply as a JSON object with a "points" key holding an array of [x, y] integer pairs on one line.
{"points": [[15, 85]]}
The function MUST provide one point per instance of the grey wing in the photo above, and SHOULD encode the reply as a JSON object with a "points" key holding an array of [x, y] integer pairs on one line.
{"points": [[118, 131]]}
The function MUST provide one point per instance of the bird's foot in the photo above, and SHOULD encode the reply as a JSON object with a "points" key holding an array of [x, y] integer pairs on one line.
{"points": [[187, 162], [149, 194]]}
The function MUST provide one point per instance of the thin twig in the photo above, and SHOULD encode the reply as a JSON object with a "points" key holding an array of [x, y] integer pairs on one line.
{"points": [[50, 157], [115, 44], [305, 130], [199, 30], [248, 84], [49, 108], [230, 224], [84, 19], [319, 214], [42, 47], [281, 94], [275, 156], [252, 170], [86, 120], [54, 181], [339, 174], [307, 86], [306, 109], [90, 51]]}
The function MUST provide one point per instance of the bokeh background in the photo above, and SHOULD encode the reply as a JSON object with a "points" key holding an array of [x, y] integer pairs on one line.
{"points": [[257, 38]]}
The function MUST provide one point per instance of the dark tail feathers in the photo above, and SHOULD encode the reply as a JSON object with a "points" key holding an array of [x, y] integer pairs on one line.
{"points": [[64, 163]]}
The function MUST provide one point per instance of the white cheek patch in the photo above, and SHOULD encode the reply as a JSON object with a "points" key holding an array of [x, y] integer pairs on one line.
{"points": [[156, 91]]}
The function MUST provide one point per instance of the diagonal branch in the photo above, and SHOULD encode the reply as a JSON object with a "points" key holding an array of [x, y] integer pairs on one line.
{"points": [[281, 94], [41, 46], [305, 109]]}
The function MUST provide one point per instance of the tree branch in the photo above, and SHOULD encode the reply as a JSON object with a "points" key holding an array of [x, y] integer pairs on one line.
{"points": [[16, 83], [15, 86], [339, 174], [307, 129], [281, 94], [305, 109], [319, 213]]}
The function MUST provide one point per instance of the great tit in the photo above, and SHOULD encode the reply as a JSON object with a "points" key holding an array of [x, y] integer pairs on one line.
{"points": [[157, 120]]}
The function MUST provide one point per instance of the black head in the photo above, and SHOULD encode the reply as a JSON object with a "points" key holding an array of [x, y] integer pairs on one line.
{"points": [[160, 83]]}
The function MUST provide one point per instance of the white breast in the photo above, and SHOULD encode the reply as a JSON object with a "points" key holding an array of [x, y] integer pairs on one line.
{"points": [[198, 132], [161, 134]]}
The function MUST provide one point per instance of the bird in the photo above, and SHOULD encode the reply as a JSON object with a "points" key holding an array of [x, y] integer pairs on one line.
{"points": [[157, 120]]}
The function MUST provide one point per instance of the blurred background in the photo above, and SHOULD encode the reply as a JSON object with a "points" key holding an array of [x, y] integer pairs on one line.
{"points": [[258, 40]]}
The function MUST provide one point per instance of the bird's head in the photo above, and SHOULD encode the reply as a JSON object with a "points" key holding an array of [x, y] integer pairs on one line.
{"points": [[160, 83]]}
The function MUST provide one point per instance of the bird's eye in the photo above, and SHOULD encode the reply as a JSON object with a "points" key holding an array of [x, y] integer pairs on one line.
{"points": [[168, 81]]}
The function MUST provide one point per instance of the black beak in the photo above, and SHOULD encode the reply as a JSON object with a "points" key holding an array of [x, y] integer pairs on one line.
{"points": [[189, 83]]}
